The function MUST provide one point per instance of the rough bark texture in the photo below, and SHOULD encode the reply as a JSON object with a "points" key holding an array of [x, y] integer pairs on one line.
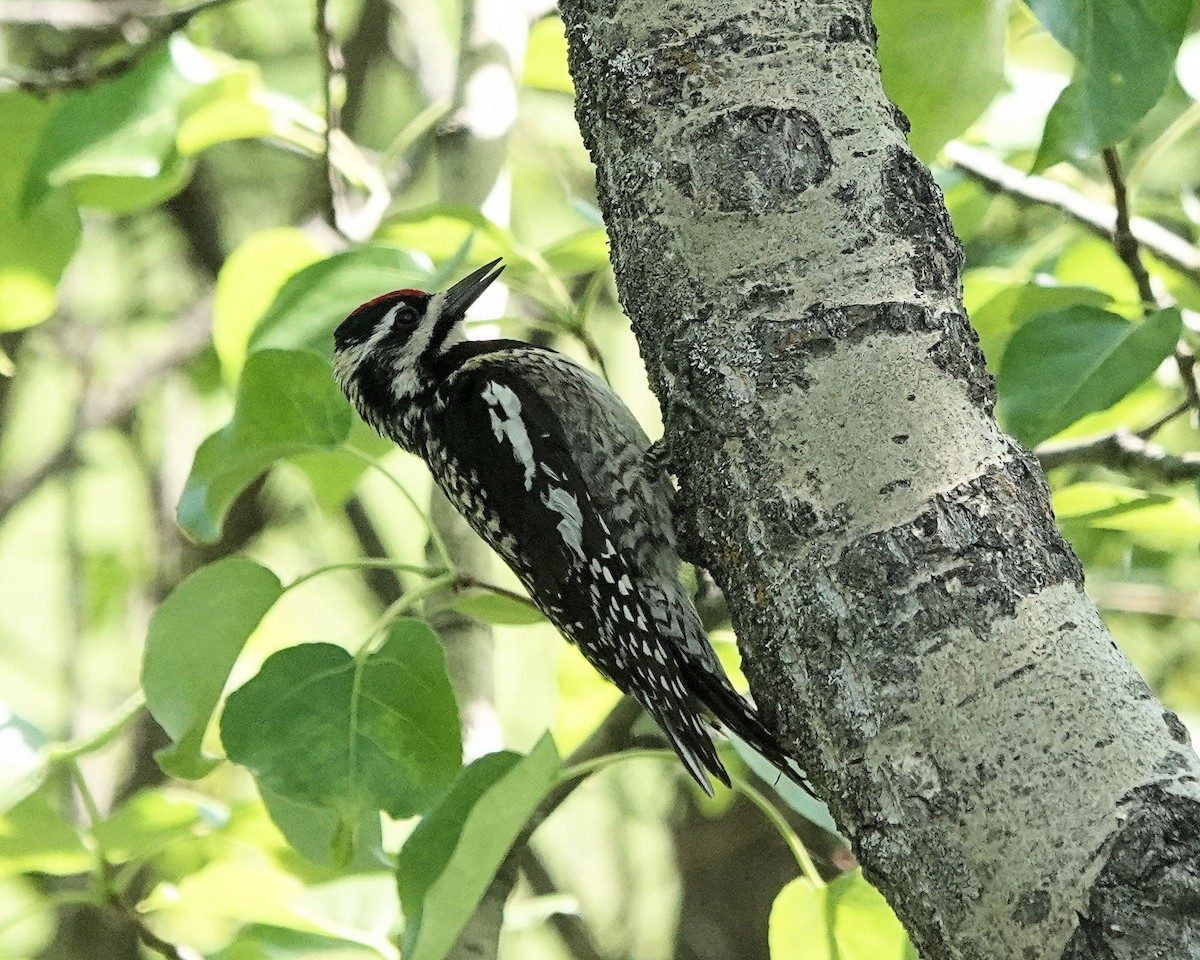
{"points": [[910, 616]]}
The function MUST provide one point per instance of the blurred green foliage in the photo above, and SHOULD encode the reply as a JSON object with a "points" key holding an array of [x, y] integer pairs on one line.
{"points": [[171, 353]]}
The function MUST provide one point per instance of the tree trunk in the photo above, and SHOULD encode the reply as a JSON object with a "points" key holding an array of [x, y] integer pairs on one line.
{"points": [[910, 616]]}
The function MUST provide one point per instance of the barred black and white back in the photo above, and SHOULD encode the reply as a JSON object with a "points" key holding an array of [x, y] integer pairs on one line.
{"points": [[550, 468]]}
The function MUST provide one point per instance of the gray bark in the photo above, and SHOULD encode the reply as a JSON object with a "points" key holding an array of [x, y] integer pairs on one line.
{"points": [[910, 617]]}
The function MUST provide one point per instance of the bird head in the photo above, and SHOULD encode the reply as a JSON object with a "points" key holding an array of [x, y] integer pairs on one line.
{"points": [[394, 336]]}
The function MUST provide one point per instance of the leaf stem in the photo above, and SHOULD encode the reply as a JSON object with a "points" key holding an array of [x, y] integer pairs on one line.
{"points": [[366, 563], [795, 844], [588, 767], [67, 751], [406, 602]]}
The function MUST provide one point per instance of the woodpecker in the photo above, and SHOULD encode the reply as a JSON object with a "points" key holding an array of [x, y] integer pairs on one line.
{"points": [[550, 467]]}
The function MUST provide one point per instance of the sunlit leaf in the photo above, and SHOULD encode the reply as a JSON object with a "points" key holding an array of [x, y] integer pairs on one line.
{"points": [[546, 57], [1124, 51], [1089, 261], [287, 404], [941, 95], [847, 919], [194, 639], [316, 726], [247, 285], [261, 941], [28, 918], [1064, 364], [222, 111], [114, 144], [35, 838], [447, 863], [36, 239], [153, 819], [313, 301], [581, 252], [498, 609], [249, 890], [1108, 506], [440, 231]]}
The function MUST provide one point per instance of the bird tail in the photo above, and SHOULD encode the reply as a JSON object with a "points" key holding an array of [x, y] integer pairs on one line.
{"points": [[687, 735], [731, 710]]}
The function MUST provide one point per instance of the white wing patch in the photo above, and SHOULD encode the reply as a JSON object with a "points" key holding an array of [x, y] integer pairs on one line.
{"points": [[507, 425], [570, 527]]}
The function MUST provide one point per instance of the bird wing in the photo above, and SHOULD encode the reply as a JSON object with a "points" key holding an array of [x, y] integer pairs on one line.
{"points": [[512, 458]]}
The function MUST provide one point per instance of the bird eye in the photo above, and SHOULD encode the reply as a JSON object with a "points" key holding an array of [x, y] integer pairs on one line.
{"points": [[406, 316]]}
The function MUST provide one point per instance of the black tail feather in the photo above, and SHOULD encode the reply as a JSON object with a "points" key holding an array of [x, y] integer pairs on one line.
{"points": [[732, 710]]}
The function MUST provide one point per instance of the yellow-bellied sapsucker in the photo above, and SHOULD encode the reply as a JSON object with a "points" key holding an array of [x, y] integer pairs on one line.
{"points": [[550, 468]]}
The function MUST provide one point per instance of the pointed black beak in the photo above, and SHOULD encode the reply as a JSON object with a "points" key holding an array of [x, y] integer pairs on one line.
{"points": [[464, 293]]}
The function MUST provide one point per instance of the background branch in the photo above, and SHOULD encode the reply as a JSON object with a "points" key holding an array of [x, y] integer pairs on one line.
{"points": [[103, 405], [333, 93], [149, 25], [1128, 453], [1096, 215]]}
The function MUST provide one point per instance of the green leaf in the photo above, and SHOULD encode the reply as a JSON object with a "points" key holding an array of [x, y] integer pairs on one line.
{"points": [[194, 639], [1013, 306], [498, 609], [450, 858], [316, 726], [29, 917], [1124, 51], [546, 57], [1062, 365], [1107, 506], [795, 796], [847, 919], [114, 144], [442, 230], [245, 889], [237, 106], [334, 474], [247, 285], [36, 240], [320, 835], [287, 404], [154, 819], [316, 299], [580, 252], [23, 762], [34, 838], [261, 941], [941, 95]]}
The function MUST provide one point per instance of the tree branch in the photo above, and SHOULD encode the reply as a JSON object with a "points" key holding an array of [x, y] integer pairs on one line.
{"points": [[333, 92], [1124, 242], [909, 615], [1129, 250], [1126, 452], [151, 28], [1120, 450], [106, 404], [570, 929], [1096, 215]]}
